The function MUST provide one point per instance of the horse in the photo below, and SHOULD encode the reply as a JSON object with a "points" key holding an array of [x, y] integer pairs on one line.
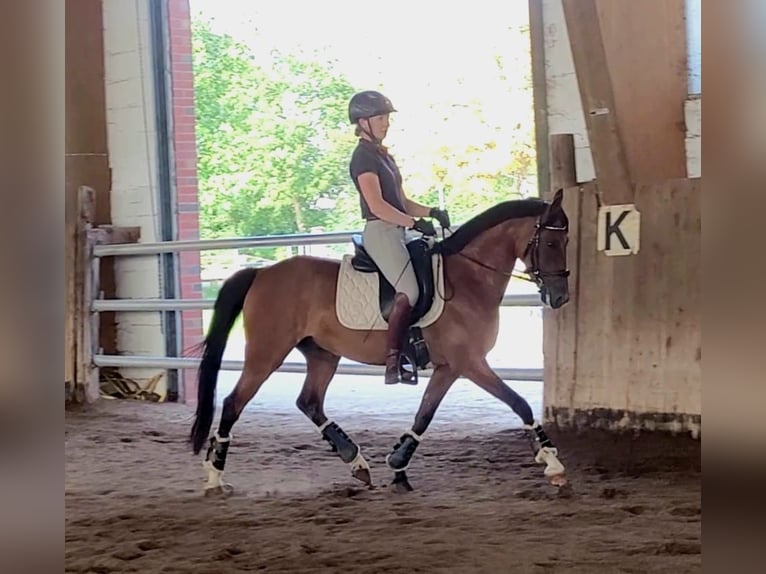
{"points": [[296, 303]]}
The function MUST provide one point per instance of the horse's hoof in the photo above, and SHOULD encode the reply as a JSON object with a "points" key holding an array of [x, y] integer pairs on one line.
{"points": [[401, 484], [362, 475], [221, 491], [360, 469], [403, 487], [565, 491], [559, 480]]}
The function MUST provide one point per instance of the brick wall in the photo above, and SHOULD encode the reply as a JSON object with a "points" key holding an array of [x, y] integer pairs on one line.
{"points": [[185, 153]]}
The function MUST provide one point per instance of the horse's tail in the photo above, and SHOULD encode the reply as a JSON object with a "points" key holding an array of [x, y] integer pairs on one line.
{"points": [[228, 306]]}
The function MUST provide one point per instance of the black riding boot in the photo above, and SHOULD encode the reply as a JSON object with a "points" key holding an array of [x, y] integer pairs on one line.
{"points": [[398, 322]]}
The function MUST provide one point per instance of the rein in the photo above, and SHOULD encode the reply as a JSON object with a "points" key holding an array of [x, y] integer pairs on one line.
{"points": [[494, 269], [533, 274]]}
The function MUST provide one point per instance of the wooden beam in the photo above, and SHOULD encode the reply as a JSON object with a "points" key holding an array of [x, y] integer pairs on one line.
{"points": [[70, 321], [92, 375], [612, 173], [646, 50], [563, 172], [109, 234], [559, 325], [86, 134], [86, 283], [539, 93]]}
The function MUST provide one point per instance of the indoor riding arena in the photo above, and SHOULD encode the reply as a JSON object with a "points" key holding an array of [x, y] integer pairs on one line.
{"points": [[606, 479]]}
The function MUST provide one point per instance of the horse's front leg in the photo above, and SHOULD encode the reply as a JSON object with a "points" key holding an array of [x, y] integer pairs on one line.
{"points": [[399, 458], [483, 375]]}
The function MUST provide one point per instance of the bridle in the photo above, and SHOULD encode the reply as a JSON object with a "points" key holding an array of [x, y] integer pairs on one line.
{"points": [[534, 271]]}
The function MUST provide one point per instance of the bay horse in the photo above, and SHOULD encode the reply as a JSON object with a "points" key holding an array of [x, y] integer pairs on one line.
{"points": [[292, 304]]}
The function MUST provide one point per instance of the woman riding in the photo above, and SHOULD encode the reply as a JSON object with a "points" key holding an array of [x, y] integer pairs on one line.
{"points": [[388, 213]]}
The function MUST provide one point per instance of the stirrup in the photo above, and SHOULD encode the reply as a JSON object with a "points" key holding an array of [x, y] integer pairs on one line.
{"points": [[390, 372], [395, 371], [406, 376]]}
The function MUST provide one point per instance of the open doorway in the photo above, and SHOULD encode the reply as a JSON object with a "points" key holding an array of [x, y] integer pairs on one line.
{"points": [[272, 83]]}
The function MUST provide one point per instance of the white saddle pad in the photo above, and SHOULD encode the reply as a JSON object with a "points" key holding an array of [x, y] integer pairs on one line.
{"points": [[357, 302]]}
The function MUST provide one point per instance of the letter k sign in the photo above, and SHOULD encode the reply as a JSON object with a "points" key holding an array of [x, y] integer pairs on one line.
{"points": [[618, 229]]}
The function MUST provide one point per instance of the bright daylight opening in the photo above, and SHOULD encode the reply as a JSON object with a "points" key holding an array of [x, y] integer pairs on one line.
{"points": [[272, 84]]}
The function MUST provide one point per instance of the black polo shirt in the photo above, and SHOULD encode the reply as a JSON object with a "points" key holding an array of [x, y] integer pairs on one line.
{"points": [[368, 157]]}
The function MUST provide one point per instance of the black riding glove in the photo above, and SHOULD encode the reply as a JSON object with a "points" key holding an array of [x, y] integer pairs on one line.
{"points": [[425, 227], [441, 216]]}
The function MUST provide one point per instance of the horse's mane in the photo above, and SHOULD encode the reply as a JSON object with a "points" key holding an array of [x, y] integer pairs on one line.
{"points": [[512, 209]]}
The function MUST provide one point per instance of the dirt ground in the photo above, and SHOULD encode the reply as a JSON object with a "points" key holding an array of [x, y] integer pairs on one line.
{"points": [[134, 500]]}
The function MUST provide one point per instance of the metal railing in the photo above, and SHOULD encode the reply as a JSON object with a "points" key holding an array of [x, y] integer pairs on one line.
{"points": [[171, 363], [292, 240], [149, 362], [122, 305]]}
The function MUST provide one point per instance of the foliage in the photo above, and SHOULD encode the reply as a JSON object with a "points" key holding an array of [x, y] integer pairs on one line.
{"points": [[273, 140], [274, 144]]}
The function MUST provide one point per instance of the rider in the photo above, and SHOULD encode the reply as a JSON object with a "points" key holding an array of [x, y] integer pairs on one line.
{"points": [[388, 212]]}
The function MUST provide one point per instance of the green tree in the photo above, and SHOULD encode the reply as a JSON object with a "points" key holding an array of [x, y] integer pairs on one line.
{"points": [[273, 140]]}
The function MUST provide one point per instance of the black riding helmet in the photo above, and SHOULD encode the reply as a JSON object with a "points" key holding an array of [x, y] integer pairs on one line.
{"points": [[368, 104]]}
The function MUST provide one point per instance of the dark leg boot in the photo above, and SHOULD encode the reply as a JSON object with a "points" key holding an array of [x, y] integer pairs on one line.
{"points": [[398, 322]]}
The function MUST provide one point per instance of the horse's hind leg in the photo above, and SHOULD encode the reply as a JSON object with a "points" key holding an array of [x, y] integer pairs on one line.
{"points": [[320, 369], [483, 375], [260, 362]]}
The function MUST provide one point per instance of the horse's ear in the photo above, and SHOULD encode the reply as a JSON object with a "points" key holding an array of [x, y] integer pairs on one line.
{"points": [[554, 211], [555, 204], [557, 199]]}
